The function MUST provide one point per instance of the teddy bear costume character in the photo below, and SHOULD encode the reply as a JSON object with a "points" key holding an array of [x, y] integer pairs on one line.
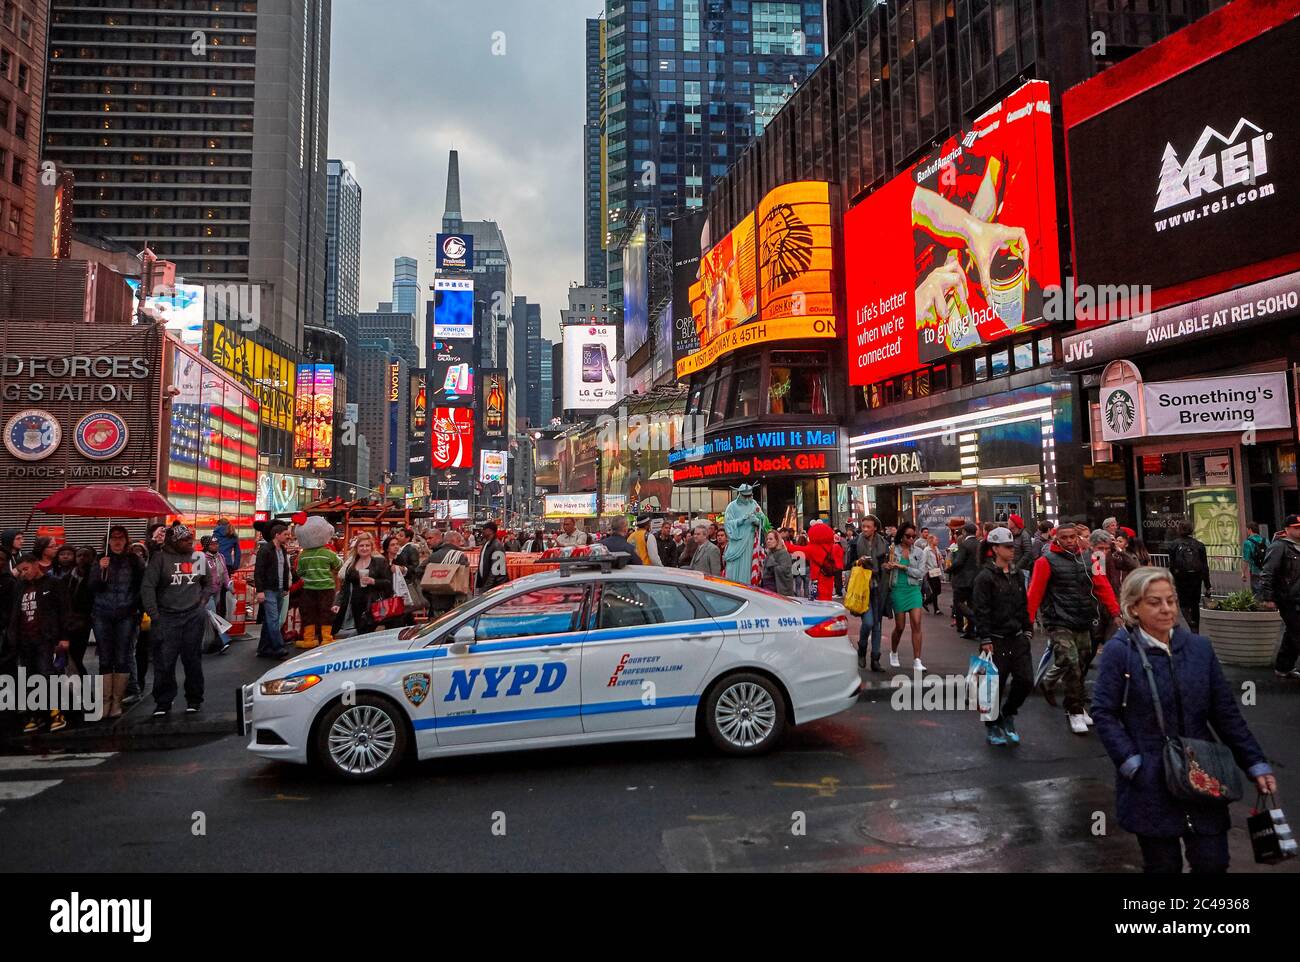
{"points": [[318, 567]]}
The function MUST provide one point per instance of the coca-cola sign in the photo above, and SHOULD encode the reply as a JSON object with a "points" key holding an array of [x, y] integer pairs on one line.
{"points": [[451, 435]]}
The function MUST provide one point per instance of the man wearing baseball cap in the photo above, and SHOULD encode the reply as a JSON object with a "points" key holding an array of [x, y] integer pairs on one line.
{"points": [[1279, 587], [175, 581], [1003, 628]]}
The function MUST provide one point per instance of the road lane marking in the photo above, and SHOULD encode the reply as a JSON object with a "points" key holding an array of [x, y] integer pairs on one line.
{"points": [[14, 791], [22, 763]]}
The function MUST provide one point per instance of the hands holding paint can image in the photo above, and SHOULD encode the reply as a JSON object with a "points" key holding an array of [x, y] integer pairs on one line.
{"points": [[998, 252]]}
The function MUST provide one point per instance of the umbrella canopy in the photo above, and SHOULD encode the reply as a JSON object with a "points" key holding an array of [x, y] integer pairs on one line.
{"points": [[107, 501]]}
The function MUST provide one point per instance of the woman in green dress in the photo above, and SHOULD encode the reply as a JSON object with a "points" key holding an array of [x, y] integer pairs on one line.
{"points": [[909, 562]]}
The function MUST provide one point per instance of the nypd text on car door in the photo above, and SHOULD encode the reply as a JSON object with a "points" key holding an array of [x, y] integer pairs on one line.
{"points": [[646, 656], [520, 678]]}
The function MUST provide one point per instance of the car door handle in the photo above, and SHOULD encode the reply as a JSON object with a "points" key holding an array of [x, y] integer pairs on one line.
{"points": [[555, 648], [699, 637]]}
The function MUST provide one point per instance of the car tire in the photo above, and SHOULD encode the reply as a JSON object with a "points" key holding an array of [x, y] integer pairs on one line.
{"points": [[364, 741], [744, 714]]}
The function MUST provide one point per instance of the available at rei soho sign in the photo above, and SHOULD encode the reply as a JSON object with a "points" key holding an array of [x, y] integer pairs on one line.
{"points": [[1212, 405]]}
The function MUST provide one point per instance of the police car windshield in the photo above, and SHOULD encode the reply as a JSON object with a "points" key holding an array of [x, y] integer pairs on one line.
{"points": [[431, 630]]}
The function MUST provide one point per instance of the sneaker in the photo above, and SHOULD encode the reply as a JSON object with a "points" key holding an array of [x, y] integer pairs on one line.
{"points": [[161, 711], [33, 725], [1009, 727], [1078, 725], [996, 736], [1087, 719], [1293, 674], [58, 722], [224, 649], [862, 661], [916, 665], [193, 709], [875, 663], [893, 660]]}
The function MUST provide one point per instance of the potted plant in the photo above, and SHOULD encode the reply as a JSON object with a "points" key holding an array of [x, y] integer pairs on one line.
{"points": [[1243, 633]]}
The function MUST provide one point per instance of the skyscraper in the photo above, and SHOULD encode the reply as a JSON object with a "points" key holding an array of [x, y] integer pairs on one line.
{"points": [[406, 285], [342, 244], [230, 180], [688, 85], [593, 221], [22, 83]]}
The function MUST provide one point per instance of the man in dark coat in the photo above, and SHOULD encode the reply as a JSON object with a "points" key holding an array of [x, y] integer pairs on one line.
{"points": [[1003, 627], [37, 627], [1279, 587], [491, 560], [1191, 570], [617, 540], [965, 565]]}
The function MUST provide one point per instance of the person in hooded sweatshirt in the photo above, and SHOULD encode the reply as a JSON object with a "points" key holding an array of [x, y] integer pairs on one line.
{"points": [[115, 614], [228, 547], [173, 594]]}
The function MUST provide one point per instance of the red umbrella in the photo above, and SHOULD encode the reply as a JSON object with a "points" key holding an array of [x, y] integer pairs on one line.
{"points": [[107, 501]]}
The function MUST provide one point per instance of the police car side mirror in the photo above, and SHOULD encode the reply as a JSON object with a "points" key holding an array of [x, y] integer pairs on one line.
{"points": [[462, 639]]}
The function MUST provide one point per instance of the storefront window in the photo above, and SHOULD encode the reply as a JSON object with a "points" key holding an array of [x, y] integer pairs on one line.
{"points": [[1157, 471], [1024, 356], [797, 383], [981, 367], [1001, 363], [923, 383], [721, 396], [746, 404], [1210, 468], [1045, 355]]}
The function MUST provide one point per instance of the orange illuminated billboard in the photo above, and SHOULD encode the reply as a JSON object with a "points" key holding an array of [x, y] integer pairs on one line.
{"points": [[767, 280]]}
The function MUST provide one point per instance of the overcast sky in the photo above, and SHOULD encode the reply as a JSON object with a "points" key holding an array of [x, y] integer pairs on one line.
{"points": [[410, 79]]}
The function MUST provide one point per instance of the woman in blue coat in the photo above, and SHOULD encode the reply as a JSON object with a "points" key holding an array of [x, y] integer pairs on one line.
{"points": [[1126, 721]]}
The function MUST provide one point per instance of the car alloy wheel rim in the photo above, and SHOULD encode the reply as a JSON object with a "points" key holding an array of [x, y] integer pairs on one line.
{"points": [[745, 714], [362, 739]]}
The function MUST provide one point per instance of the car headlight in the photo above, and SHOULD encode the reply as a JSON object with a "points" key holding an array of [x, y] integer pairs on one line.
{"points": [[287, 686]]}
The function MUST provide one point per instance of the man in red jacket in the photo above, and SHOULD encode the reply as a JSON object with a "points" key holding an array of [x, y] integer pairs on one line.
{"points": [[1070, 596]]}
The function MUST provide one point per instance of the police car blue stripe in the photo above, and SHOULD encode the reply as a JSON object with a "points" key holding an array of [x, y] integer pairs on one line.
{"points": [[553, 711], [373, 661]]}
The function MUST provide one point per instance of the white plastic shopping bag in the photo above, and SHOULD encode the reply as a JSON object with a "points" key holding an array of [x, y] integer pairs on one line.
{"points": [[982, 687]]}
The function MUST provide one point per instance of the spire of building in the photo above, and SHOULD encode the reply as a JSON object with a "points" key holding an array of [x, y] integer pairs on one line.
{"points": [[451, 219]]}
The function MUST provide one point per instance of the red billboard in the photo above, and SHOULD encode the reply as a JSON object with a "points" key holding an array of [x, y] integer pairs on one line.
{"points": [[451, 442], [955, 252]]}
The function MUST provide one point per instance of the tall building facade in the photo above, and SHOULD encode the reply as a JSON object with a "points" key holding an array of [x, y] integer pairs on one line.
{"points": [[526, 361], [22, 85], [406, 285], [688, 85], [342, 244], [397, 327], [386, 434], [593, 220], [213, 155]]}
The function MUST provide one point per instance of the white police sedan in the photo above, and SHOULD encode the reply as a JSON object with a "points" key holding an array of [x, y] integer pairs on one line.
{"points": [[592, 652]]}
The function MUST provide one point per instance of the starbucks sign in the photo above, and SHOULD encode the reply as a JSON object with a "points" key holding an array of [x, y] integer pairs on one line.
{"points": [[1212, 405]]}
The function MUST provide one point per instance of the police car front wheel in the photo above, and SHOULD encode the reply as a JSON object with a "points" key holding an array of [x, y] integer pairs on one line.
{"points": [[745, 714], [363, 740]]}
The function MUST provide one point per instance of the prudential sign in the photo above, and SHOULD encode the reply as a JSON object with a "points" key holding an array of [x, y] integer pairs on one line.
{"points": [[1213, 405]]}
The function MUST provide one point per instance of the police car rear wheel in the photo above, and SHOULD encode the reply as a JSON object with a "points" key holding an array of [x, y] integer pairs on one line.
{"points": [[363, 740], [745, 714]]}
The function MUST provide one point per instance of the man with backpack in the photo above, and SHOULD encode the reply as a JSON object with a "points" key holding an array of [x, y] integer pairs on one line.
{"points": [[1253, 552], [1279, 588], [1191, 570]]}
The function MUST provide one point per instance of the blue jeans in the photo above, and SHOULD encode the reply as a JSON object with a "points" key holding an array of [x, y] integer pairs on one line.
{"points": [[271, 641], [178, 636], [872, 624], [115, 642]]}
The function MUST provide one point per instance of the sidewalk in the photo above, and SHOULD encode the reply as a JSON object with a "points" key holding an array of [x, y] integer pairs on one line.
{"points": [[137, 729]]}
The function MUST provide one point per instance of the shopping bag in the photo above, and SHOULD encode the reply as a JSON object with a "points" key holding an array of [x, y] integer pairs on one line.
{"points": [[982, 684], [1270, 835], [402, 590], [292, 628], [220, 624], [386, 608], [857, 596], [446, 578]]}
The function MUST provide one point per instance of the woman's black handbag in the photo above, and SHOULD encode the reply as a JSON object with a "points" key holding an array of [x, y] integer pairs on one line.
{"points": [[1195, 770]]}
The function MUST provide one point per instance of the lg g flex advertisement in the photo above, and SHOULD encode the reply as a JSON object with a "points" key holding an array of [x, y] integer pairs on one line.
{"points": [[955, 252]]}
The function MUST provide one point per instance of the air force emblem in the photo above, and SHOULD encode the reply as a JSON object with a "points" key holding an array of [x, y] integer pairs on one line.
{"points": [[415, 687]]}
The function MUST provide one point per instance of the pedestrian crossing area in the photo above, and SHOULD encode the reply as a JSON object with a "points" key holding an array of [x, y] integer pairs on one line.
{"points": [[28, 776]]}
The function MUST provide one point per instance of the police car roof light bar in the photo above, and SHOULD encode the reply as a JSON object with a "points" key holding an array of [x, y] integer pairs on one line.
{"points": [[604, 563]]}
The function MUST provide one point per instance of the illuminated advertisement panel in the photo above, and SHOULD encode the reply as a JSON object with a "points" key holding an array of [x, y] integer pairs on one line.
{"points": [[590, 380], [636, 290], [795, 260], [211, 447], [451, 438], [455, 252], [453, 307], [955, 252], [271, 377], [493, 405], [180, 309], [492, 466], [725, 297], [313, 430]]}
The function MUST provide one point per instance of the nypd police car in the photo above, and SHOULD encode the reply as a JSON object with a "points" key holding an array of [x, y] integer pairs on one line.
{"points": [[592, 652]]}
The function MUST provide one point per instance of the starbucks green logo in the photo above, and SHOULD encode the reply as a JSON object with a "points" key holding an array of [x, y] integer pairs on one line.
{"points": [[1121, 412]]}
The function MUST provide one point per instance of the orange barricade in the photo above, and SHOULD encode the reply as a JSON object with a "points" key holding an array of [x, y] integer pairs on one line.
{"points": [[239, 616]]}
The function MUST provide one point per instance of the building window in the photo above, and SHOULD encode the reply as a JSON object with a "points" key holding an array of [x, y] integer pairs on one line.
{"points": [[20, 125], [746, 403], [22, 75], [15, 219], [20, 169]]}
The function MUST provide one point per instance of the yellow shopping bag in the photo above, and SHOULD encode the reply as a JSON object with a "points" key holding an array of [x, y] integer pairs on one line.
{"points": [[857, 596]]}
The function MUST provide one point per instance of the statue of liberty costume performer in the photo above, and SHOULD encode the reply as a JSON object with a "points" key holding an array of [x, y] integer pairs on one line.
{"points": [[744, 523]]}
